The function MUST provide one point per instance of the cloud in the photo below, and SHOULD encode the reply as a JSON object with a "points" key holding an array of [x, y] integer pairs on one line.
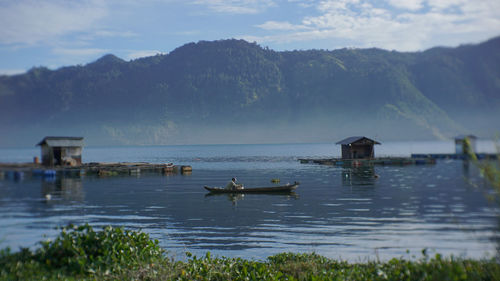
{"points": [[440, 5], [412, 5], [236, 6], [29, 22], [409, 26], [11, 71], [276, 25], [303, 3], [84, 38], [109, 33], [143, 53], [81, 52], [188, 32]]}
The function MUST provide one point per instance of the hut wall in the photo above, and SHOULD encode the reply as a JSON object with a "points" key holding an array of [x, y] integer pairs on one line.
{"points": [[71, 156], [61, 156], [47, 156], [346, 151], [357, 151], [460, 144]]}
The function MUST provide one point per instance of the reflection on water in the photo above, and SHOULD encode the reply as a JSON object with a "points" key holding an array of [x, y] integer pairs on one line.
{"points": [[351, 213], [55, 189], [234, 198], [361, 175]]}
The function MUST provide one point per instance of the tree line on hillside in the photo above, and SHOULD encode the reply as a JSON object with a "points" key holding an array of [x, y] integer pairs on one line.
{"points": [[207, 86]]}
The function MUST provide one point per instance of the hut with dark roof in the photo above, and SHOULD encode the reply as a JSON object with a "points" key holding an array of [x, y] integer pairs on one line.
{"points": [[465, 144], [358, 148], [61, 151]]}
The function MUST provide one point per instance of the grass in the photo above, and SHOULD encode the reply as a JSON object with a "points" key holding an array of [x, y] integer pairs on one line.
{"points": [[489, 170], [81, 253]]}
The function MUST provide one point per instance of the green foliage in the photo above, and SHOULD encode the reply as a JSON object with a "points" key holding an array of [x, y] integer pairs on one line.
{"points": [[209, 268], [314, 267], [80, 253], [489, 169]]}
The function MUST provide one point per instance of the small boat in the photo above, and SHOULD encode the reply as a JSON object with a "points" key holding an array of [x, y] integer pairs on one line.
{"points": [[272, 189]]}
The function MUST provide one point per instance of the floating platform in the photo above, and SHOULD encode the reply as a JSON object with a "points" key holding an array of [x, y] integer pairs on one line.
{"points": [[480, 156], [20, 170], [394, 161]]}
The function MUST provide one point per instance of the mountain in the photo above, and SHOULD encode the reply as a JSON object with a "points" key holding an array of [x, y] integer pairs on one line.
{"points": [[233, 91]]}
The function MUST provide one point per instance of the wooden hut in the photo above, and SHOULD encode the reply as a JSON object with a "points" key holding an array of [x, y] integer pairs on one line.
{"points": [[461, 147], [358, 148], [61, 151]]}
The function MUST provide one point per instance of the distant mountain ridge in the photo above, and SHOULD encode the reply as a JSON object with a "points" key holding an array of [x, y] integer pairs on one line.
{"points": [[232, 91]]}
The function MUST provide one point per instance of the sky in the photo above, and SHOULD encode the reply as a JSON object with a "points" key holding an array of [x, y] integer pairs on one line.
{"points": [[56, 33]]}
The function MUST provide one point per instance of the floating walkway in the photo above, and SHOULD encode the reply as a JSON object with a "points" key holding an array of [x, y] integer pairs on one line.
{"points": [[387, 161], [19, 171], [480, 156]]}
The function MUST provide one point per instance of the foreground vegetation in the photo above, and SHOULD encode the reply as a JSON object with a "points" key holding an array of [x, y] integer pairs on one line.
{"points": [[81, 253], [489, 170]]}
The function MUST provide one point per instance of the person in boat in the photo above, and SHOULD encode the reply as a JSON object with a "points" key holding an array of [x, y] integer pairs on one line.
{"points": [[232, 185]]}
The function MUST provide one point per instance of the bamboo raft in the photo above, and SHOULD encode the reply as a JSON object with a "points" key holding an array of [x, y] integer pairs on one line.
{"points": [[394, 161], [21, 170]]}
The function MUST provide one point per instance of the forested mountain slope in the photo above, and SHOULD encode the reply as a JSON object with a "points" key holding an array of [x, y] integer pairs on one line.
{"points": [[232, 91]]}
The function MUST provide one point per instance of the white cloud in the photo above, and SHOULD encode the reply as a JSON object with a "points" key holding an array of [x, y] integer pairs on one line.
{"points": [[82, 52], [188, 32], [440, 5], [29, 22], [143, 53], [280, 25], [236, 6], [11, 71], [75, 56], [109, 33], [92, 35], [412, 5], [415, 25], [303, 3]]}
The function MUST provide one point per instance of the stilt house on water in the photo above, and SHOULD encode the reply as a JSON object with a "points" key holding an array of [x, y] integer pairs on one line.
{"points": [[461, 147], [61, 151], [358, 148]]}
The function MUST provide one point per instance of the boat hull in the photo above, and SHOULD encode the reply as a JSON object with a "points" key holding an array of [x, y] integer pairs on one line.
{"points": [[273, 189]]}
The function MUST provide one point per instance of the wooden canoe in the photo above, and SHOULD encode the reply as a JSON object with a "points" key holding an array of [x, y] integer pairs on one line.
{"points": [[273, 189]]}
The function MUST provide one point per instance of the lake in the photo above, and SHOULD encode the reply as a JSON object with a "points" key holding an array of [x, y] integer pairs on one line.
{"points": [[337, 212]]}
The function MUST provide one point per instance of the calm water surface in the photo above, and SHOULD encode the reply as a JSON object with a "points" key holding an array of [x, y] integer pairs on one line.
{"points": [[336, 212]]}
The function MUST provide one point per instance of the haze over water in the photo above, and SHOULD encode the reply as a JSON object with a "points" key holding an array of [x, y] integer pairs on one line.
{"points": [[336, 212]]}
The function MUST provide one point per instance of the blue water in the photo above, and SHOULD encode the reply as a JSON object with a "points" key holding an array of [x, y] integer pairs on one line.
{"points": [[338, 212]]}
